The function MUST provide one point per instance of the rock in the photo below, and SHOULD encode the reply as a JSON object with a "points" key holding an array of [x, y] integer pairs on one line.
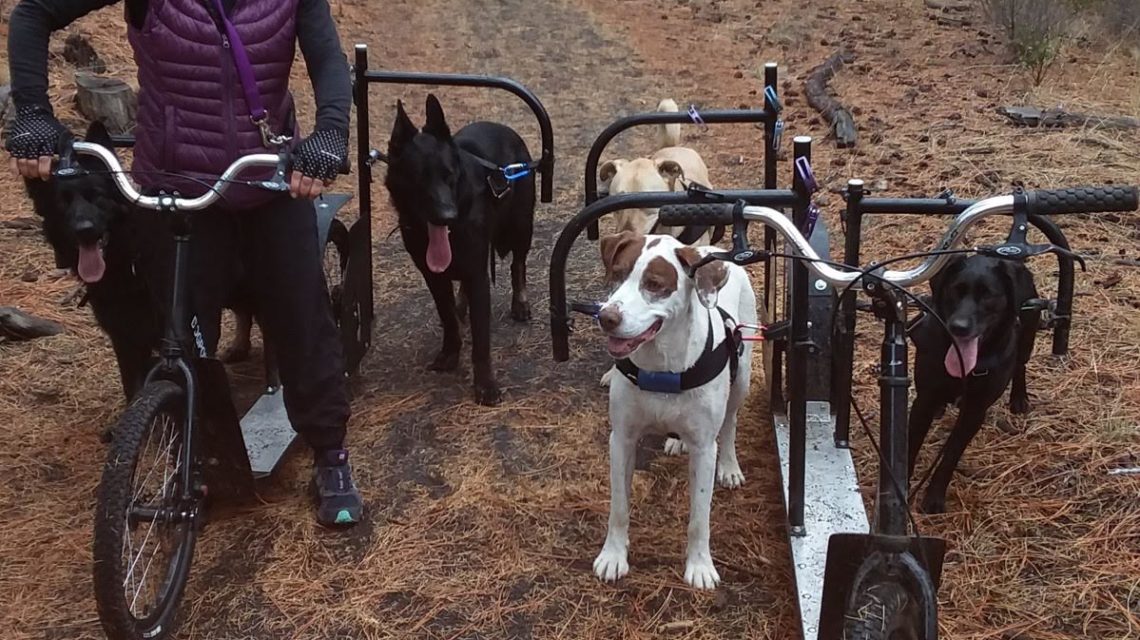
{"points": [[18, 325]]}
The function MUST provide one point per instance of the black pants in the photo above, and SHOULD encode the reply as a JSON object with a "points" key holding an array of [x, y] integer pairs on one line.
{"points": [[269, 256]]}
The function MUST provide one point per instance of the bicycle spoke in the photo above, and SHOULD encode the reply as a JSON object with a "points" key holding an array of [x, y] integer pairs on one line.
{"points": [[164, 497]]}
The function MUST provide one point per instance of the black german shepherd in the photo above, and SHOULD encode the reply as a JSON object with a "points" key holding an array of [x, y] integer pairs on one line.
{"points": [[123, 255], [981, 300], [98, 235], [455, 212]]}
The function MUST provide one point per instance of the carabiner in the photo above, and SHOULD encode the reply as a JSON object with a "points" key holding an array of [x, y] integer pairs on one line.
{"points": [[513, 172]]}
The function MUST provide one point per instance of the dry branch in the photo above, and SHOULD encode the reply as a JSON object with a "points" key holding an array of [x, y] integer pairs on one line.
{"points": [[818, 96], [17, 325], [1058, 118]]}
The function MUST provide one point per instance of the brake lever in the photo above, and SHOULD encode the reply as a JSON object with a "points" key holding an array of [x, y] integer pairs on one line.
{"points": [[68, 166], [277, 182], [1020, 251]]}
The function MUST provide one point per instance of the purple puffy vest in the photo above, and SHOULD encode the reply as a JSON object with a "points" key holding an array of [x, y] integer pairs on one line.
{"points": [[192, 114]]}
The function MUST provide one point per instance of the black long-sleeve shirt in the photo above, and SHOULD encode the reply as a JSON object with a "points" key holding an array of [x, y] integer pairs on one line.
{"points": [[33, 21]]}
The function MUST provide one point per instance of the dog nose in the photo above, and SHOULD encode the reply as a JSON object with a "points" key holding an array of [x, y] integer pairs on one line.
{"points": [[609, 318], [85, 230], [961, 327]]}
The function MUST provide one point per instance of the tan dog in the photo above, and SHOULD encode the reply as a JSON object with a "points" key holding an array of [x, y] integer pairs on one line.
{"points": [[668, 169]]}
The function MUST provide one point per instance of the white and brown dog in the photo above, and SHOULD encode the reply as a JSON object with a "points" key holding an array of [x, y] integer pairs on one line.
{"points": [[680, 372], [668, 169]]}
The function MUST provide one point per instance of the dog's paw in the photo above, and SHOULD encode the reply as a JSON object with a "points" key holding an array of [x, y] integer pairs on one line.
{"points": [[933, 504], [235, 353], [607, 376], [612, 563], [488, 395], [520, 311], [446, 360], [674, 446], [1019, 406], [728, 474], [701, 574]]}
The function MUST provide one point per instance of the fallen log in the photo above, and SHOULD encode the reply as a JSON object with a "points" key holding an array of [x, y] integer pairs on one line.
{"points": [[1059, 119], [818, 96], [107, 100], [948, 5], [17, 325]]}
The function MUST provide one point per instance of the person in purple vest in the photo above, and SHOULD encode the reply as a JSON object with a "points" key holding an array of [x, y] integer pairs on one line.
{"points": [[194, 119]]}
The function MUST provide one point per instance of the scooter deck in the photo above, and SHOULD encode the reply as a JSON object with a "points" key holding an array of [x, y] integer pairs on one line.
{"points": [[267, 432], [832, 504]]}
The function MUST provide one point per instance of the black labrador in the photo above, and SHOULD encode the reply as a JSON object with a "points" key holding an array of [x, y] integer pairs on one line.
{"points": [[983, 302], [456, 211]]}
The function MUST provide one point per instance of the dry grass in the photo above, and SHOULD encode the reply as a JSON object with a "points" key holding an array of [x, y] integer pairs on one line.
{"points": [[483, 522]]}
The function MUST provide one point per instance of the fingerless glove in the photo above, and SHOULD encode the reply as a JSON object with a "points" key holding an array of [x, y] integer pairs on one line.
{"points": [[321, 155], [35, 132]]}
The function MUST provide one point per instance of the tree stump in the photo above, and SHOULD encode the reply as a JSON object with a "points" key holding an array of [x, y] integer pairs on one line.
{"points": [[17, 325], [818, 96], [107, 100]]}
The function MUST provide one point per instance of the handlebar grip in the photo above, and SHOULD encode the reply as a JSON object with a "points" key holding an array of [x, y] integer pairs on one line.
{"points": [[680, 215], [1081, 200]]}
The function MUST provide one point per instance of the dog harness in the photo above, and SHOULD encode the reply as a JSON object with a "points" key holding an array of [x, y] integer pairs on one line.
{"points": [[703, 371], [502, 179]]}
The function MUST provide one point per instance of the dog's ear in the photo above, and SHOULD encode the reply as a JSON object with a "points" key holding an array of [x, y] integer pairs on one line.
{"points": [[938, 282], [710, 278], [672, 172], [98, 134], [403, 130], [607, 172], [619, 253], [1016, 282], [436, 124]]}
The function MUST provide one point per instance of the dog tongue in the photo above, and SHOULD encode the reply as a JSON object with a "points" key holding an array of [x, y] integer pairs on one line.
{"points": [[962, 367], [439, 249], [91, 265]]}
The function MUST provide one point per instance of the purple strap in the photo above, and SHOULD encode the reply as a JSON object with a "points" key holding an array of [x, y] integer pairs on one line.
{"points": [[257, 112]]}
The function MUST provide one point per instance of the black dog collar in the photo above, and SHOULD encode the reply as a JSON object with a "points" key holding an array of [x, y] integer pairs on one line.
{"points": [[703, 371]]}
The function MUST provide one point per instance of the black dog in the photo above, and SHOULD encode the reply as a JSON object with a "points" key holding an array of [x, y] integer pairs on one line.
{"points": [[96, 233], [983, 303], [123, 255], [454, 208]]}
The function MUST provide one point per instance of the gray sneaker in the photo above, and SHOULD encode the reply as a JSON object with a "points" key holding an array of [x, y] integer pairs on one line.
{"points": [[338, 500]]}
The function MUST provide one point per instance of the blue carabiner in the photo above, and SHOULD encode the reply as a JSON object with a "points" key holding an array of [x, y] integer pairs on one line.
{"points": [[515, 171], [774, 98]]}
